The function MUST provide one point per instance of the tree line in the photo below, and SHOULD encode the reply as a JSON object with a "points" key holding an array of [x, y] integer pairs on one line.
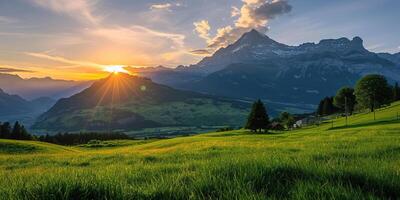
{"points": [[15, 132], [370, 92], [18, 132], [81, 138]]}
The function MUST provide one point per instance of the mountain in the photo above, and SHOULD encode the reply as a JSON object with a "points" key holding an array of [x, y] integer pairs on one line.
{"points": [[13, 104], [15, 108], [392, 57], [256, 66], [125, 102], [33, 88], [42, 104]]}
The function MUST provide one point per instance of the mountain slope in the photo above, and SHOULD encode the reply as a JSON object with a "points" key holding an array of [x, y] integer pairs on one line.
{"points": [[15, 108], [13, 104], [126, 102], [258, 67]]}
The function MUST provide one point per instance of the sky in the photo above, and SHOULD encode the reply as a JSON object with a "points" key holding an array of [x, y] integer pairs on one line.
{"points": [[78, 39]]}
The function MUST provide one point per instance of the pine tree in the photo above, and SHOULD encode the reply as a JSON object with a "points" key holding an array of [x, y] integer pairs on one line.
{"points": [[320, 108], [24, 134], [5, 130], [16, 132], [327, 106], [258, 118]]}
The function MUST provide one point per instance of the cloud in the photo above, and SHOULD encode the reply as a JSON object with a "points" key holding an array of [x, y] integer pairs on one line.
{"points": [[64, 60], [257, 13], [81, 10], [115, 43], [200, 52], [254, 14], [8, 69], [7, 20], [165, 6], [235, 11], [203, 28], [139, 35]]}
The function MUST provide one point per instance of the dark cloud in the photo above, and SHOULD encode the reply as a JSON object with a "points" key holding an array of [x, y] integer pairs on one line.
{"points": [[253, 15], [271, 10]]}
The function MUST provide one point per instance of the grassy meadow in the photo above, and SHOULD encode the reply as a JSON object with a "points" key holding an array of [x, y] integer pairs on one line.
{"points": [[360, 161]]}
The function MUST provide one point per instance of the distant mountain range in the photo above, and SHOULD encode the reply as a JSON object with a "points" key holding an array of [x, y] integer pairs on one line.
{"points": [[34, 88], [256, 66], [14, 107], [215, 91], [124, 102]]}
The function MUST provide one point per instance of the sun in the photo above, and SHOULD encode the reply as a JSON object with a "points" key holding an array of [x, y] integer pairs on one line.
{"points": [[115, 69]]}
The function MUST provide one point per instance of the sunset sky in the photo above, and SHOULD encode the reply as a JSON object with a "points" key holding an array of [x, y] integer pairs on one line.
{"points": [[78, 39]]}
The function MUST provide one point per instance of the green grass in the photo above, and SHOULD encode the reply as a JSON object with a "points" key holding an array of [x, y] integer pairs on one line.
{"points": [[360, 161]]}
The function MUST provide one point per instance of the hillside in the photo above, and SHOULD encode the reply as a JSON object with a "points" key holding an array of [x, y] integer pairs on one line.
{"points": [[30, 147], [124, 102], [355, 162]]}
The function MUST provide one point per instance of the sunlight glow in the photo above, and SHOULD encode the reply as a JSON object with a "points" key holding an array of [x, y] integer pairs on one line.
{"points": [[115, 69]]}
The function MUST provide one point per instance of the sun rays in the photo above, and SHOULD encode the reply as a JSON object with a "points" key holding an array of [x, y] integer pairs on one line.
{"points": [[116, 69], [117, 87]]}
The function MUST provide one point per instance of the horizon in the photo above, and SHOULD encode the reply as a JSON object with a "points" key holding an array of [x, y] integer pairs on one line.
{"points": [[79, 40], [111, 69]]}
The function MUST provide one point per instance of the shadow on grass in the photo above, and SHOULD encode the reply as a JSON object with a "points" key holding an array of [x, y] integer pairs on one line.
{"points": [[280, 182], [373, 123], [15, 148], [222, 183]]}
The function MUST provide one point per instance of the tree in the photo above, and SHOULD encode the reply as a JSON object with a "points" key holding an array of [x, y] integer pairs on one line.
{"points": [[326, 107], [373, 91], [396, 92], [16, 131], [24, 134], [258, 118], [320, 108], [345, 99], [287, 119], [5, 130]]}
